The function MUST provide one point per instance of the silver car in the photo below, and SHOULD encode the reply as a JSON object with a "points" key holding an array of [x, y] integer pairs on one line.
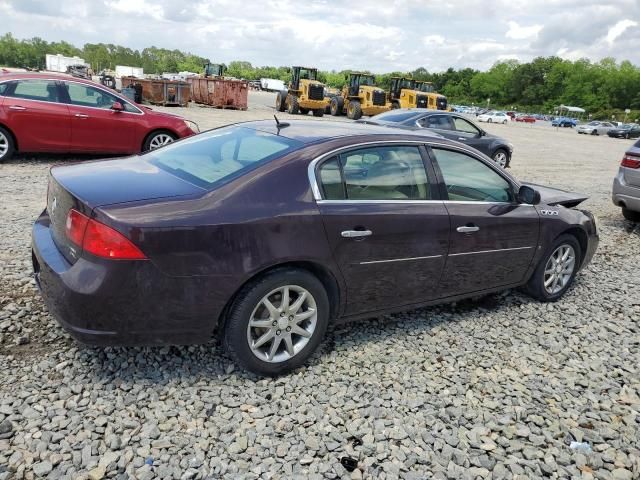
{"points": [[595, 128], [626, 185]]}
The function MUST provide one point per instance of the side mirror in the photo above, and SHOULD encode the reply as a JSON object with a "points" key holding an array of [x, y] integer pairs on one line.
{"points": [[528, 195], [482, 133], [117, 107]]}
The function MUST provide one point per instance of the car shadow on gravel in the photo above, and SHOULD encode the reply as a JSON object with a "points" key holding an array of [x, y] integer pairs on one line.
{"points": [[57, 158]]}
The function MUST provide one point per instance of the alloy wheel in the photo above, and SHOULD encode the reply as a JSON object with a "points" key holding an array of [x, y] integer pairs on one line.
{"points": [[160, 140], [559, 268], [501, 159], [4, 145], [282, 323]]}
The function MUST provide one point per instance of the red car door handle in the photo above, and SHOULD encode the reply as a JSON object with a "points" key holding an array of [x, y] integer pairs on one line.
{"points": [[17, 107], [81, 115]]}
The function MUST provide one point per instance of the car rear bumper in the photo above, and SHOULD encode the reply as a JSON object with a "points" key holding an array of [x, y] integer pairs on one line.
{"points": [[624, 194], [111, 302]]}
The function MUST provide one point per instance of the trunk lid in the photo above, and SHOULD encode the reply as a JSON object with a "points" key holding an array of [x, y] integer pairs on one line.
{"points": [[555, 196], [89, 185]]}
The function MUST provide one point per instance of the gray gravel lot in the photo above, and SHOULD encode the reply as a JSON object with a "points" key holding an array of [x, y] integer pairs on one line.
{"points": [[497, 388]]}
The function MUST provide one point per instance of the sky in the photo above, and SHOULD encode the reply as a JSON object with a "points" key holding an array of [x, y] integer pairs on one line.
{"points": [[376, 35]]}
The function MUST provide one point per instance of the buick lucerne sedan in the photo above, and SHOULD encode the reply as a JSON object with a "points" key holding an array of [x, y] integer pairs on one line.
{"points": [[263, 233], [56, 113]]}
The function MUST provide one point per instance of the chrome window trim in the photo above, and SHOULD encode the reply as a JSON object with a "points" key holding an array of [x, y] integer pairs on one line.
{"points": [[491, 251], [407, 259], [409, 202], [317, 194]]}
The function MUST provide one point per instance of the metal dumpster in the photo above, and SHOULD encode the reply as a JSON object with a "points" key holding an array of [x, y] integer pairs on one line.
{"points": [[161, 92], [220, 92]]}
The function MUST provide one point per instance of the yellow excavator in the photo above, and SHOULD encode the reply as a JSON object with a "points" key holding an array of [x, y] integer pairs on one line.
{"points": [[305, 93], [360, 97], [435, 100]]}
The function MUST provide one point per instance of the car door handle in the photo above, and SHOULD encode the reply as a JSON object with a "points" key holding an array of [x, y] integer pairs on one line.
{"points": [[356, 233], [17, 107], [462, 139], [468, 229], [81, 115]]}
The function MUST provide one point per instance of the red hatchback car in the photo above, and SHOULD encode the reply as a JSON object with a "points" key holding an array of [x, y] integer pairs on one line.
{"points": [[57, 113]]}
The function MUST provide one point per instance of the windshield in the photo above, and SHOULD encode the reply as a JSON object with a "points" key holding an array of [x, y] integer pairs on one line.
{"points": [[220, 155], [367, 80], [308, 74], [425, 87]]}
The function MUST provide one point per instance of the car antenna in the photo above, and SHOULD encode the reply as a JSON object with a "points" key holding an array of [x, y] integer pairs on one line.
{"points": [[280, 124]]}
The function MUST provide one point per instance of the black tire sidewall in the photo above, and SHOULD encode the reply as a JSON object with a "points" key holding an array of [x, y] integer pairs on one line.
{"points": [[631, 215], [535, 286], [235, 329], [11, 149]]}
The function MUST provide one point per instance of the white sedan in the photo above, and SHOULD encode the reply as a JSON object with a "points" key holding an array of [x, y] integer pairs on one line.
{"points": [[494, 117], [595, 128]]}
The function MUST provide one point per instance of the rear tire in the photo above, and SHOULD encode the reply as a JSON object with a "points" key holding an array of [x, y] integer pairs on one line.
{"points": [[504, 122], [489, 120], [250, 319], [7, 147], [631, 215], [395, 105], [354, 110], [304, 111], [319, 112], [281, 100], [292, 105], [158, 139], [546, 271], [337, 106]]}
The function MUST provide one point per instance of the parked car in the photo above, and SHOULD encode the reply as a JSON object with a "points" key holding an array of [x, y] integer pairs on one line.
{"points": [[595, 128], [57, 113], [629, 130], [526, 119], [494, 117], [450, 125], [626, 184], [264, 233], [564, 122]]}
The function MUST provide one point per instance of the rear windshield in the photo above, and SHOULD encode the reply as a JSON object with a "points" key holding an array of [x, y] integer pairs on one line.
{"points": [[220, 155], [395, 116]]}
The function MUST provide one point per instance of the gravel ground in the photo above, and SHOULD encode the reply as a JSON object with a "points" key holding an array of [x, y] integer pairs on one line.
{"points": [[496, 388]]}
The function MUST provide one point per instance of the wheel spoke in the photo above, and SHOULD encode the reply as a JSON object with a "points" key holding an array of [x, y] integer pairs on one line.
{"points": [[261, 323], [300, 331], [304, 315], [264, 339], [273, 311], [284, 304], [298, 303], [289, 344], [548, 281], [274, 346]]}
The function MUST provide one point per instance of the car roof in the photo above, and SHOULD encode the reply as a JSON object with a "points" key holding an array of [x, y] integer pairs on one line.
{"points": [[312, 131], [41, 75]]}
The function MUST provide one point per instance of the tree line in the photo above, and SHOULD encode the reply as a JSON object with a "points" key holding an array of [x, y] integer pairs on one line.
{"points": [[603, 88]]}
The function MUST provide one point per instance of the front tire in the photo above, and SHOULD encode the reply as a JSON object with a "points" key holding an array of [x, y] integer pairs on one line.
{"points": [[304, 111], [7, 147], [281, 100], [556, 271], [292, 105], [631, 215], [158, 139], [277, 322], [318, 112], [501, 157], [337, 106], [489, 120], [354, 110]]}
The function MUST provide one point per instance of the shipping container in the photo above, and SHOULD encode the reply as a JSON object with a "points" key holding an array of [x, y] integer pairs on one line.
{"points": [[124, 71], [161, 92], [220, 92]]}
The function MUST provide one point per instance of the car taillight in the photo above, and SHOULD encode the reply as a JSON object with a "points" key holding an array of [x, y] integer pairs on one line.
{"points": [[630, 161], [99, 239]]}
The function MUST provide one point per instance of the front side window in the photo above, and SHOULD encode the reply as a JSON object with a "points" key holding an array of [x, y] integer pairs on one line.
{"points": [[469, 179], [219, 155], [375, 173], [88, 96], [439, 122], [465, 126], [42, 90]]}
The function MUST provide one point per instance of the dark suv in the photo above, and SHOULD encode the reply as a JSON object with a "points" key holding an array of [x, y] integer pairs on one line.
{"points": [[450, 125]]}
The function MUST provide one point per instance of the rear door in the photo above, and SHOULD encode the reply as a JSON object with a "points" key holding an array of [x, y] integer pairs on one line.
{"points": [[33, 111], [441, 124], [95, 126], [467, 133], [387, 234], [493, 238]]}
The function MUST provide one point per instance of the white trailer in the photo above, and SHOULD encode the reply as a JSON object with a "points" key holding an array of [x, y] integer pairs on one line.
{"points": [[60, 63], [124, 71], [271, 84]]}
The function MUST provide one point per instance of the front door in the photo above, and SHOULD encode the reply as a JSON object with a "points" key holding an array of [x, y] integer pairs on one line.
{"points": [[388, 237], [34, 113], [493, 238], [95, 126]]}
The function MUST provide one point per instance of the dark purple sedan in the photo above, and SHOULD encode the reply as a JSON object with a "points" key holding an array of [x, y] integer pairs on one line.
{"points": [[265, 233]]}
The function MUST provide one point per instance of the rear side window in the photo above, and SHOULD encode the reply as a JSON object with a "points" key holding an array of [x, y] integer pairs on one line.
{"points": [[440, 122], [43, 90], [395, 116], [468, 179], [3, 87], [375, 173], [220, 154]]}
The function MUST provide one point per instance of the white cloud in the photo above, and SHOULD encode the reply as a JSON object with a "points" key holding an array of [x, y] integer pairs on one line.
{"points": [[618, 29], [518, 32], [430, 40], [137, 7]]}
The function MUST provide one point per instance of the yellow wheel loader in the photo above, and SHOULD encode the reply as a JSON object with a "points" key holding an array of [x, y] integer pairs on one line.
{"points": [[435, 100], [305, 93], [360, 97], [403, 94]]}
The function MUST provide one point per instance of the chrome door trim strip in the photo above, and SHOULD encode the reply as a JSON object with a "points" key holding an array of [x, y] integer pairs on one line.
{"points": [[408, 259], [410, 202], [491, 251]]}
